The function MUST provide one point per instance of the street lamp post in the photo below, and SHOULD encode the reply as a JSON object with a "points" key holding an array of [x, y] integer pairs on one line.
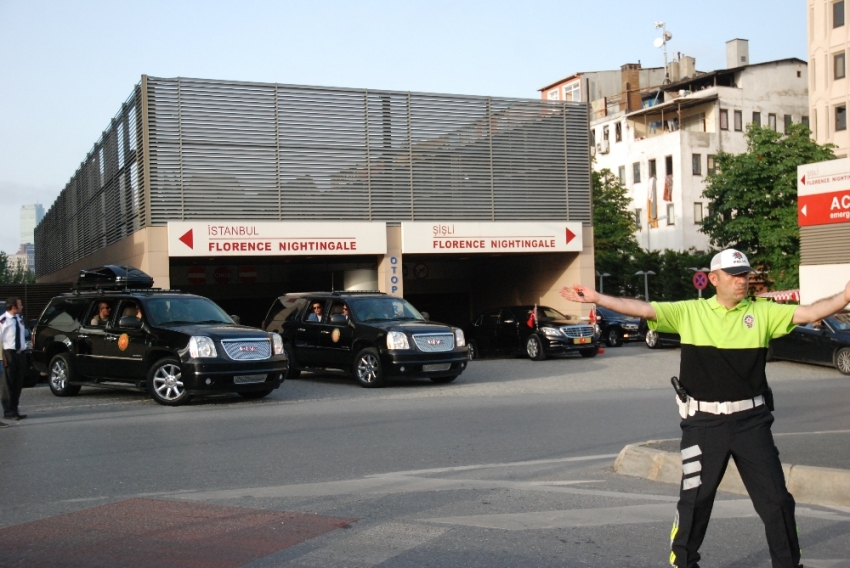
{"points": [[601, 278], [646, 274], [695, 269]]}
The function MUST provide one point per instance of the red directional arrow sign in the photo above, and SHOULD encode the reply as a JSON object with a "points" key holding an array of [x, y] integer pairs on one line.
{"points": [[823, 208], [187, 239], [570, 236]]}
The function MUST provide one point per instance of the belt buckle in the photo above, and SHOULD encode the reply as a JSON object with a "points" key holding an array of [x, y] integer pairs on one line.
{"points": [[722, 408]]}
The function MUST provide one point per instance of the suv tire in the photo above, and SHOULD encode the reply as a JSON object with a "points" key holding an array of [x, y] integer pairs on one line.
{"points": [[292, 372], [534, 348], [367, 369], [652, 340], [60, 374], [472, 351], [165, 384]]}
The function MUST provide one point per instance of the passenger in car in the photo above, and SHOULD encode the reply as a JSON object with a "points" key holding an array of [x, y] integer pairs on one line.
{"points": [[316, 310], [102, 315]]}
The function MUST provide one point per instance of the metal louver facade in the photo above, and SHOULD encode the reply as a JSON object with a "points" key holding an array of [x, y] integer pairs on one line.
{"points": [[236, 150]]}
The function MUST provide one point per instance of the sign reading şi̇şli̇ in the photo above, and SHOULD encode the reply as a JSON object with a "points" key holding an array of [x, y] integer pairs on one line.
{"points": [[275, 238], [823, 193], [491, 237]]}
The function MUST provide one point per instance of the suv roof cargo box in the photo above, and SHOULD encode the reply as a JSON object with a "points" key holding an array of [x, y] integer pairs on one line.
{"points": [[113, 277]]}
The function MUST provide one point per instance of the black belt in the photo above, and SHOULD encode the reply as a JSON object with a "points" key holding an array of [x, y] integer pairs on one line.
{"points": [[15, 351]]}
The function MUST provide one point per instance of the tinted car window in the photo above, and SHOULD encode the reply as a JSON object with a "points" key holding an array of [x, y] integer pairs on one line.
{"points": [[384, 308], [546, 313], [170, 311], [841, 322], [64, 315]]}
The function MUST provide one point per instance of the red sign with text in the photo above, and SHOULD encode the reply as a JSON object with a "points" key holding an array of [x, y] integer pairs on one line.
{"points": [[823, 208]]}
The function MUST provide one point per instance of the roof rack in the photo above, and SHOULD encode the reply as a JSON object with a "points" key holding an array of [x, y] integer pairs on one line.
{"points": [[113, 277]]}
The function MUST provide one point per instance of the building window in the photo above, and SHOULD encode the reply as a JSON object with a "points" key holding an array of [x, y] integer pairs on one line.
{"points": [[572, 92], [639, 219], [841, 117], [757, 118], [636, 172], [605, 134], [739, 120], [671, 214], [787, 125], [804, 120], [618, 132], [668, 165], [838, 14], [839, 69], [593, 137], [724, 119], [622, 175], [771, 121], [696, 164], [697, 213], [553, 95], [710, 165], [652, 171]]}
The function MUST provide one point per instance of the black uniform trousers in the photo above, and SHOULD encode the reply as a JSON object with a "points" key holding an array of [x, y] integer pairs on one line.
{"points": [[708, 441], [15, 363]]}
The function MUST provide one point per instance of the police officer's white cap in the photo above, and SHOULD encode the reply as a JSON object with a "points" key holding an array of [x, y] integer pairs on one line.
{"points": [[731, 261]]}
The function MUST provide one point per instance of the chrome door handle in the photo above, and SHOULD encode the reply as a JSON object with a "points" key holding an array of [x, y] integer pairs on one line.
{"points": [[301, 329], [82, 336], [325, 331], [111, 338]]}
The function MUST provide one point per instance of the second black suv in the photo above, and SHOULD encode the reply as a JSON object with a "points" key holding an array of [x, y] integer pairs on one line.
{"points": [[617, 328], [373, 335], [173, 344]]}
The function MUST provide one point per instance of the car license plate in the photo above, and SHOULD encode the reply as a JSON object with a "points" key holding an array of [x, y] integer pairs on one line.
{"points": [[583, 340], [246, 379], [437, 367]]}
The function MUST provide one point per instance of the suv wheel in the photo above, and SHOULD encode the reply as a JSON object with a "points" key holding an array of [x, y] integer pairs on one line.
{"points": [[292, 372], [472, 351], [613, 339], [61, 375], [165, 382], [652, 339], [534, 348], [367, 369]]}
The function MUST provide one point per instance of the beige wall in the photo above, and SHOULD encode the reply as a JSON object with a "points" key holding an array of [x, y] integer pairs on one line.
{"points": [[146, 250], [826, 92]]}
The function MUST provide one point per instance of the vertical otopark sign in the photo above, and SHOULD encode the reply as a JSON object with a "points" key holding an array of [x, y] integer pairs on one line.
{"points": [[823, 193], [273, 238], [490, 237]]}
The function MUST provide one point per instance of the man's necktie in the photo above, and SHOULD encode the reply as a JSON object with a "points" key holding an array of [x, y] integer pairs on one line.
{"points": [[17, 334]]}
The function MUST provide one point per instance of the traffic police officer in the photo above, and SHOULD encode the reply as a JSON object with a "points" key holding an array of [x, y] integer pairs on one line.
{"points": [[12, 333], [725, 412]]}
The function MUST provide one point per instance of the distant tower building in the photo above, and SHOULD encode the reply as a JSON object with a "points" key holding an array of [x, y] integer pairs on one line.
{"points": [[31, 215]]}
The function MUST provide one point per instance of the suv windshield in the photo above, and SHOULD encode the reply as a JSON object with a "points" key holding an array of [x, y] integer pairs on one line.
{"points": [[164, 311], [377, 309]]}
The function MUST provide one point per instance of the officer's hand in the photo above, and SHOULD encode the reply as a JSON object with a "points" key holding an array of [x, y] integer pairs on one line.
{"points": [[579, 293]]}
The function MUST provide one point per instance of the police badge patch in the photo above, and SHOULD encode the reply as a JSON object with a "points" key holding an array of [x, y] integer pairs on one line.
{"points": [[749, 321]]}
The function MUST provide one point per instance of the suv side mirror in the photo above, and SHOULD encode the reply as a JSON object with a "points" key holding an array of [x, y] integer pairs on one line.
{"points": [[236, 318], [338, 319], [130, 322]]}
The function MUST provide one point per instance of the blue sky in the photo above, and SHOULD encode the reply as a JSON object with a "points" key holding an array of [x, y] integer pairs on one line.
{"points": [[66, 67]]}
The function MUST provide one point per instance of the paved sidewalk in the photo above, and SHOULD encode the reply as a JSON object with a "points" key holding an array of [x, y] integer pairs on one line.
{"points": [[816, 464]]}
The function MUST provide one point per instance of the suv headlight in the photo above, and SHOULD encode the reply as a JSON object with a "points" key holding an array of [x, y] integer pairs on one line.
{"points": [[397, 340], [200, 346], [550, 331], [277, 343], [460, 339]]}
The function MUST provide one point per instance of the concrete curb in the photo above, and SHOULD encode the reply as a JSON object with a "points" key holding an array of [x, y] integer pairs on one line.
{"points": [[808, 484]]}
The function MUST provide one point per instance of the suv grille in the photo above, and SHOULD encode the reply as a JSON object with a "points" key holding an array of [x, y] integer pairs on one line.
{"points": [[247, 349], [577, 330], [434, 342]]}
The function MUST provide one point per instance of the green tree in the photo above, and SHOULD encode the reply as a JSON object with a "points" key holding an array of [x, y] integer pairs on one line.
{"points": [[754, 200], [613, 232]]}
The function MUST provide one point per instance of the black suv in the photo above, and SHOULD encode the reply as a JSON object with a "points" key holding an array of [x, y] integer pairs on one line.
{"points": [[373, 335], [618, 328], [173, 344], [530, 330]]}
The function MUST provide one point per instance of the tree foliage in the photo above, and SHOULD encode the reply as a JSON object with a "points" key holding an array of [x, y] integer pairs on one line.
{"points": [[14, 273], [754, 200]]}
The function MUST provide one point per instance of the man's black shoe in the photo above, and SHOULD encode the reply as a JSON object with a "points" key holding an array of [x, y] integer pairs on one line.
{"points": [[20, 416], [3, 425], [10, 417]]}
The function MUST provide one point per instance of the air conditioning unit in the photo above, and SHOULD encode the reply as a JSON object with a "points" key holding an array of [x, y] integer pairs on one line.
{"points": [[602, 147]]}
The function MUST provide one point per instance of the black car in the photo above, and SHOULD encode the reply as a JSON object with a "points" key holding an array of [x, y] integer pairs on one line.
{"points": [[370, 334], [617, 328], [515, 331], [656, 339], [172, 344], [825, 343]]}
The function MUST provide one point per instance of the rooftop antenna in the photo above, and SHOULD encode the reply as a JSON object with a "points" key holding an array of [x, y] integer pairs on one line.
{"points": [[662, 42]]}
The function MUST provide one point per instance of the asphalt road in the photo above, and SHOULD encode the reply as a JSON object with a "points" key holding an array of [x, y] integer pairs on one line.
{"points": [[508, 466]]}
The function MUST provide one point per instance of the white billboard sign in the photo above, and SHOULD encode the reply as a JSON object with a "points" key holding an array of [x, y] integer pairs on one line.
{"points": [[490, 237], [275, 238]]}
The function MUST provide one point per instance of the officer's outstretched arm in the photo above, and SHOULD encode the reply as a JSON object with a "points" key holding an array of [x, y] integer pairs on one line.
{"points": [[628, 306], [822, 308]]}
